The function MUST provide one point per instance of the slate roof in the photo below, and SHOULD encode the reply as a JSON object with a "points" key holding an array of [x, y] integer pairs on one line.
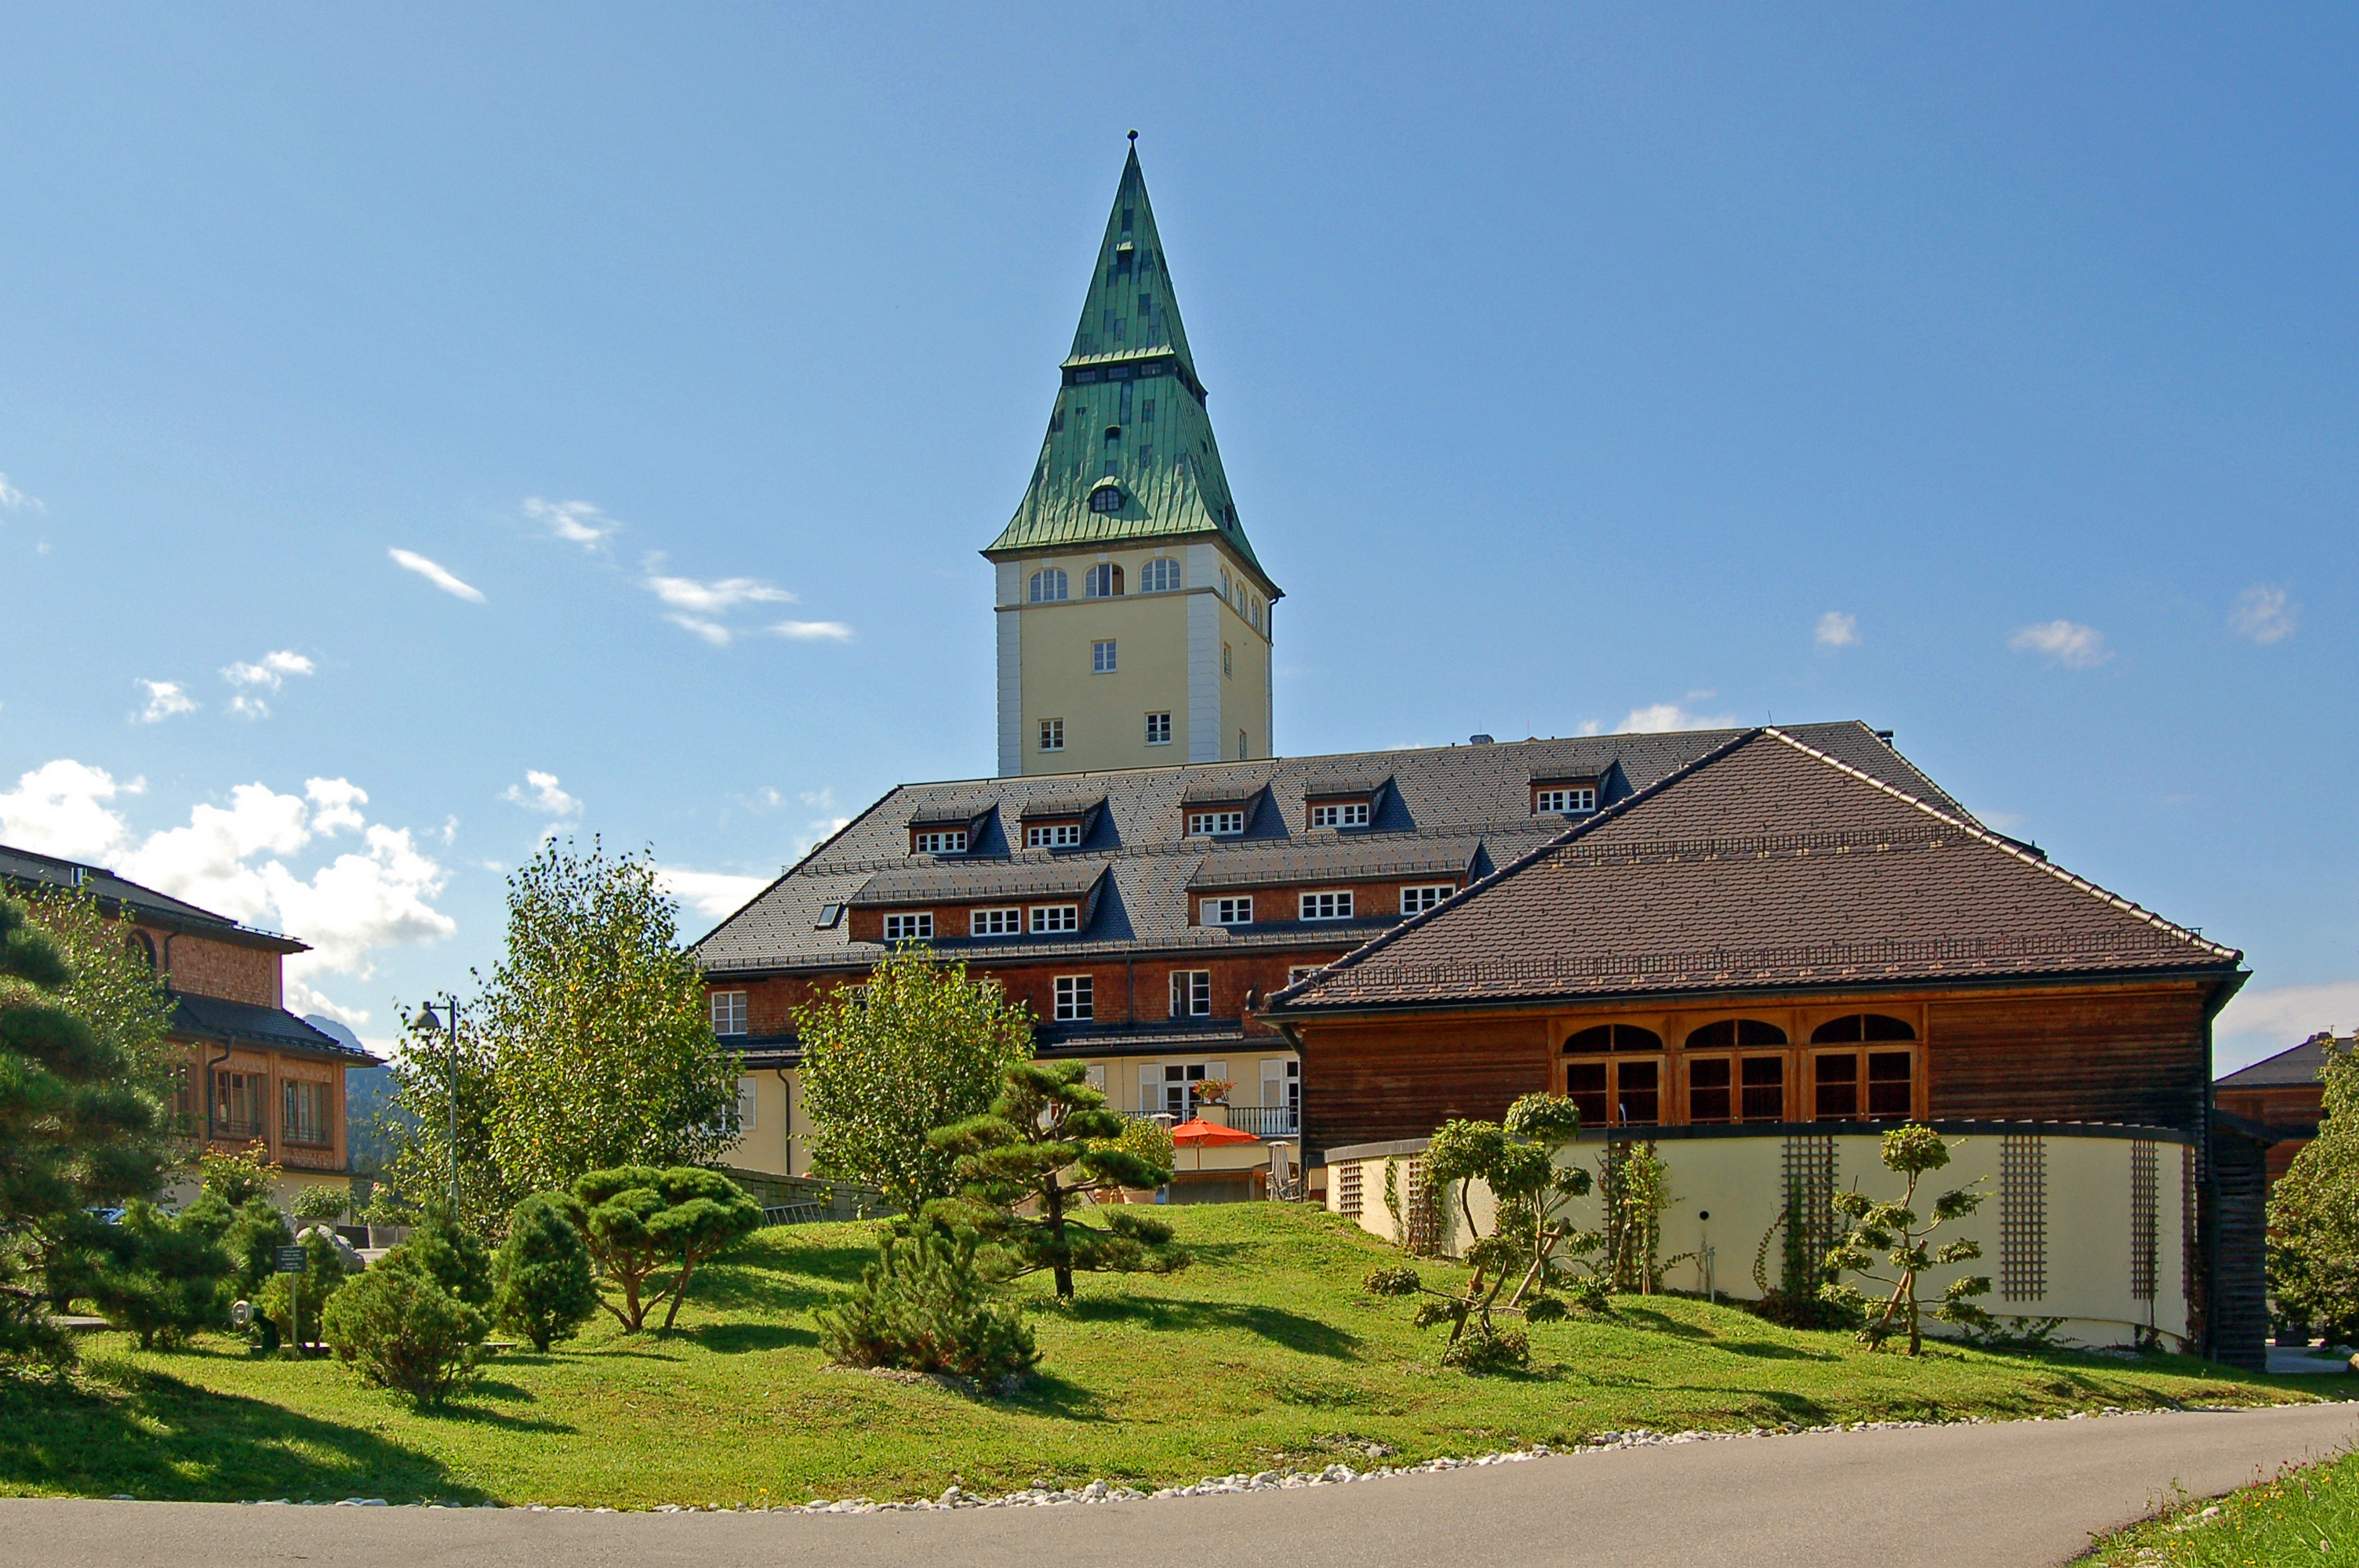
{"points": [[1129, 351], [2297, 1066], [1769, 860], [215, 1018], [1444, 803], [25, 868]]}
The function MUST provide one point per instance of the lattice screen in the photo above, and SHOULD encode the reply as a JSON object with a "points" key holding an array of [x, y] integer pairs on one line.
{"points": [[2144, 1244], [1347, 1189], [2022, 1218], [1808, 1168]]}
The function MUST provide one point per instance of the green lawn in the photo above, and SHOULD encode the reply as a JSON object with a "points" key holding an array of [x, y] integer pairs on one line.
{"points": [[2310, 1516], [1264, 1353]]}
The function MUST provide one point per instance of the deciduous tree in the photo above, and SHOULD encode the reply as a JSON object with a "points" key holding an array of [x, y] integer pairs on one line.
{"points": [[2314, 1209]]}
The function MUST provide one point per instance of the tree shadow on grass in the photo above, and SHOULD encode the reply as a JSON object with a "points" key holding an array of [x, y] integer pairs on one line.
{"points": [[1649, 1318], [1046, 1393], [737, 1338], [1167, 1316], [119, 1429], [779, 1279], [1762, 1349]]}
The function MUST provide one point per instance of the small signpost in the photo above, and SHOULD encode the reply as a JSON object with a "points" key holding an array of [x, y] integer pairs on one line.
{"points": [[289, 1260]]}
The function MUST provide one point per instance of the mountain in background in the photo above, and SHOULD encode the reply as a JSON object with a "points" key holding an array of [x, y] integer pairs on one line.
{"points": [[372, 1121]]}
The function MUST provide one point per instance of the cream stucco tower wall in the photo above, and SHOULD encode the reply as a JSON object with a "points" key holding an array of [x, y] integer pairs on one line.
{"points": [[1135, 621]]}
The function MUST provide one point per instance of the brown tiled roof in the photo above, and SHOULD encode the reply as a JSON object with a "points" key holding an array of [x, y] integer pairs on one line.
{"points": [[1767, 863]]}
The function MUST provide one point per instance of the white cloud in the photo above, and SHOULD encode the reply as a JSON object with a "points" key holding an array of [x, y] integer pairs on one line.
{"points": [[380, 895], [814, 631], [2262, 613], [206, 862], [539, 793], [712, 894], [2004, 821], [2068, 642], [410, 561], [712, 631], [335, 804], [2262, 1022], [576, 522], [253, 679], [58, 809], [712, 598], [1837, 630], [15, 500], [1661, 717], [165, 699], [824, 799], [817, 831]]}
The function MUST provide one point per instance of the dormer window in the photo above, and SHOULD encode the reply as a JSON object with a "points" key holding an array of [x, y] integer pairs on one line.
{"points": [[1340, 814], [1216, 824], [1102, 581], [1051, 835], [1566, 799], [917, 927], [1105, 497], [938, 842]]}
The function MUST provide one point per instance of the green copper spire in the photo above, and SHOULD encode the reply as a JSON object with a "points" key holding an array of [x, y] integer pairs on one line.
{"points": [[1129, 455]]}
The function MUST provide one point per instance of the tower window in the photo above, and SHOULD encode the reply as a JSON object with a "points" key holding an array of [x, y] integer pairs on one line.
{"points": [[1112, 434], [1105, 498], [1123, 416], [1158, 730], [1126, 213], [1147, 456], [1102, 581], [1102, 657], [1048, 585], [1244, 749], [1147, 411], [1146, 305], [1052, 734], [1159, 576], [1227, 668]]}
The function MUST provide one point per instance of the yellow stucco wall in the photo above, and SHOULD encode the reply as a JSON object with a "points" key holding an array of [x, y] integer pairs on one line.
{"points": [[1727, 1192]]}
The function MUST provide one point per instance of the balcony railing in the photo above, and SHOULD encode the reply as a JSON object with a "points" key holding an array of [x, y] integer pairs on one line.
{"points": [[229, 1127], [1266, 1121]]}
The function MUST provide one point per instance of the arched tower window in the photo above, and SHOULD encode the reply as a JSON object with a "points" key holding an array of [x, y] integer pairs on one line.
{"points": [[141, 945], [1048, 585], [1159, 576], [1102, 581]]}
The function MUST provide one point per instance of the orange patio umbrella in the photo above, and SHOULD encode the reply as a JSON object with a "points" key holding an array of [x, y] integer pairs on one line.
{"points": [[1197, 1132]]}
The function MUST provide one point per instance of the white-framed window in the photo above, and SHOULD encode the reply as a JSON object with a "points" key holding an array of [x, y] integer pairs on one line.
{"points": [[1297, 973], [994, 921], [1158, 730], [1053, 917], [1341, 813], [729, 1013], [1102, 581], [1256, 613], [748, 1101], [941, 841], [1169, 1088], [1327, 905], [1281, 1090], [1076, 1000], [1216, 822], [918, 928], [1229, 911], [1159, 576], [1102, 657], [1243, 750], [1052, 734], [1048, 585], [1052, 834], [1227, 667], [1191, 993], [1563, 798], [1418, 900], [1226, 590]]}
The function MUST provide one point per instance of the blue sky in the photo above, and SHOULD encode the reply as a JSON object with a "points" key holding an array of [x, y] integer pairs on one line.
{"points": [[1984, 373]]}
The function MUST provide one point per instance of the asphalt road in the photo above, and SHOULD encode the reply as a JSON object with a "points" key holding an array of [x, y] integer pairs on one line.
{"points": [[2023, 1493]]}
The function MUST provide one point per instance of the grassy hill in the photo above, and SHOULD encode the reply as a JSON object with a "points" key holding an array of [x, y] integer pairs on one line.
{"points": [[1265, 1353]]}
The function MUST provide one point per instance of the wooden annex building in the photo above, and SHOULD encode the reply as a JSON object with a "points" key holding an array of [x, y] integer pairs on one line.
{"points": [[1771, 941]]}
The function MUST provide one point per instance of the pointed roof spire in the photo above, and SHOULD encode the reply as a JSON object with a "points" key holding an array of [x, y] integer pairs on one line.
{"points": [[1129, 454]]}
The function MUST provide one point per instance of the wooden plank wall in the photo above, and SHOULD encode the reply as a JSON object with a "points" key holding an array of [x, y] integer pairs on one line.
{"points": [[2097, 1055], [1371, 1084], [2237, 1305]]}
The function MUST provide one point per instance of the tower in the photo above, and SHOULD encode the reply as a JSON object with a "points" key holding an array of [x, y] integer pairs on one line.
{"points": [[1134, 619]]}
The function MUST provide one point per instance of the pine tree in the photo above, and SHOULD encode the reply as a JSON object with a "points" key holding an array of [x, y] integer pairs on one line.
{"points": [[542, 1285], [1045, 1144], [923, 1306], [641, 1221], [78, 1128]]}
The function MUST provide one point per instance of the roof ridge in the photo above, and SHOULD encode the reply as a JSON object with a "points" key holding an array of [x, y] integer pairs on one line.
{"points": [[2006, 847]]}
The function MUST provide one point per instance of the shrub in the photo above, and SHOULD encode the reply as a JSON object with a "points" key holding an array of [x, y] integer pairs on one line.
{"points": [[1485, 1348], [252, 1237], [165, 1281], [542, 1287], [400, 1329], [641, 1220], [238, 1179], [297, 1303], [454, 1255], [1143, 1139], [320, 1206], [922, 1306]]}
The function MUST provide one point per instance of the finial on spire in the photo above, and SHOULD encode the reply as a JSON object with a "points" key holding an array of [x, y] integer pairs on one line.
{"points": [[1134, 139]]}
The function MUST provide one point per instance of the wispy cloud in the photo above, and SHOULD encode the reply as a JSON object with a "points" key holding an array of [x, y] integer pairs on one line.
{"points": [[1663, 717], [270, 674], [165, 699], [15, 500], [813, 630], [2067, 643], [539, 791], [411, 561], [712, 631], [2262, 1021], [710, 894], [1837, 630], [576, 522], [688, 594], [2262, 613]]}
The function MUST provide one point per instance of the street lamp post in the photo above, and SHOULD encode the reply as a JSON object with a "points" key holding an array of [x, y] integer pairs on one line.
{"points": [[428, 1021]]}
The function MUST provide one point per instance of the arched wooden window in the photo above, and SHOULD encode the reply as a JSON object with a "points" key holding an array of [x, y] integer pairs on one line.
{"points": [[1857, 1026], [1102, 581], [1731, 1032], [1735, 1086], [1159, 576], [1615, 1088], [1048, 585], [1613, 1037]]}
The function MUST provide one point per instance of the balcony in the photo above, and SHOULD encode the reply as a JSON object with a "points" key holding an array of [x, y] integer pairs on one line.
{"points": [[1266, 1121]]}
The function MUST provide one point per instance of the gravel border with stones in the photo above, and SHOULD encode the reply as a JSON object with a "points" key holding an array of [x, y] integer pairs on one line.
{"points": [[1261, 1481]]}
